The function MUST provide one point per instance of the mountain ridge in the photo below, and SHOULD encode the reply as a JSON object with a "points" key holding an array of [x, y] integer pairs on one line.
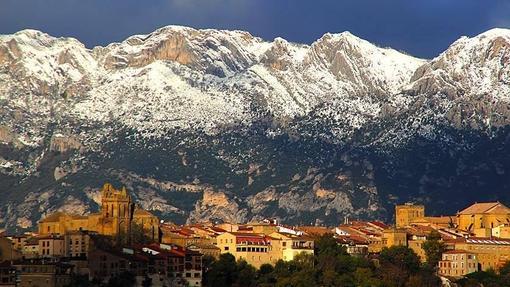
{"points": [[218, 124]]}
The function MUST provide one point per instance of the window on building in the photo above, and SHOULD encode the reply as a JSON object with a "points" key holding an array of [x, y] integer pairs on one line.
{"points": [[226, 248]]}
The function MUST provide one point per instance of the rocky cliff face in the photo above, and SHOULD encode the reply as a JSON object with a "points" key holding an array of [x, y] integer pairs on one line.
{"points": [[222, 125]]}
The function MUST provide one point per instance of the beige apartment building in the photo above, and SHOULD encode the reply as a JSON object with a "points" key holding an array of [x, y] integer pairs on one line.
{"points": [[51, 246], [76, 244], [457, 263], [256, 249]]}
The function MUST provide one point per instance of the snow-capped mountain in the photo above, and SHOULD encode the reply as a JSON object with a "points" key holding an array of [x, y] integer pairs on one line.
{"points": [[214, 124]]}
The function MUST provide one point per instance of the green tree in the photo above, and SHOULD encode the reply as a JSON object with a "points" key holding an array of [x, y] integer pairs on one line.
{"points": [[487, 278], [365, 277], [266, 276], [397, 263], [246, 274], [327, 245], [223, 272], [504, 270], [434, 248], [424, 278], [301, 278]]}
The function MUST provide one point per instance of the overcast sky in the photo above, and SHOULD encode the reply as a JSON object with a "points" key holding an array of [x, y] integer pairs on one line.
{"points": [[421, 28]]}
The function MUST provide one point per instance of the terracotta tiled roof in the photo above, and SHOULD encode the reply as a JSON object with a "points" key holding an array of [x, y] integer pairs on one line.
{"points": [[434, 219], [246, 228], [247, 234], [217, 229], [379, 224], [486, 207], [417, 231], [315, 230]]}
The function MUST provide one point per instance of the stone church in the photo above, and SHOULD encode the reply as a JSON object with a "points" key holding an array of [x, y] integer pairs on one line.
{"points": [[118, 214]]}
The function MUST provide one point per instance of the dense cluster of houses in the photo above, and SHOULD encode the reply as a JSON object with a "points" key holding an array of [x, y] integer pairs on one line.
{"points": [[476, 238], [33, 260]]}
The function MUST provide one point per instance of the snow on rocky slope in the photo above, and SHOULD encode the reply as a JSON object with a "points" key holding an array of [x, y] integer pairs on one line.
{"points": [[206, 79], [474, 75], [478, 65]]}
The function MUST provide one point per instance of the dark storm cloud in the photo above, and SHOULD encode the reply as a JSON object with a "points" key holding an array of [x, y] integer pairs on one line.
{"points": [[421, 28]]}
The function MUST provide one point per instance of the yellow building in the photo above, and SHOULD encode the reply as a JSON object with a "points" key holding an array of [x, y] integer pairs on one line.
{"points": [[481, 217], [407, 213], [457, 263], [375, 245], [264, 228], [227, 226], [118, 214], [502, 231], [416, 236], [292, 245], [394, 237], [173, 237], [490, 252], [256, 249], [416, 246], [205, 249]]}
